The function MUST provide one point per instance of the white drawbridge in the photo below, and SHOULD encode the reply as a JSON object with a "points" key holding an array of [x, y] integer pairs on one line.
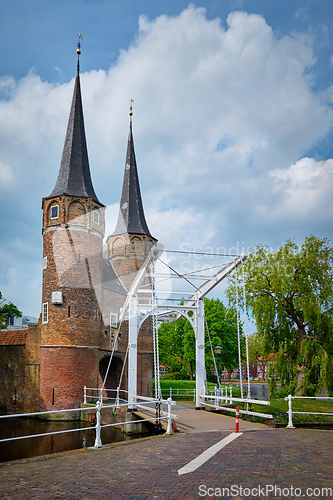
{"points": [[146, 299]]}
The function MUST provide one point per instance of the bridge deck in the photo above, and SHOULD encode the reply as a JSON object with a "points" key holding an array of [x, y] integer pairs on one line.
{"points": [[191, 420]]}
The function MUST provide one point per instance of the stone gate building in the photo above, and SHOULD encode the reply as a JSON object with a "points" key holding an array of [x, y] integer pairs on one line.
{"points": [[83, 290]]}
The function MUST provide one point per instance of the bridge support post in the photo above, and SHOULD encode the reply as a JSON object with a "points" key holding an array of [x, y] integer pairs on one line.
{"points": [[132, 352], [290, 412], [98, 442], [200, 352], [169, 429]]}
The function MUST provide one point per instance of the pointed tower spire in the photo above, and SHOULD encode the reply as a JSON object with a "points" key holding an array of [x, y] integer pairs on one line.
{"points": [[74, 174], [131, 218]]}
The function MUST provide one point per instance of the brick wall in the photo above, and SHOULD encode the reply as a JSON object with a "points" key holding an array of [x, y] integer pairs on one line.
{"points": [[19, 374], [64, 373]]}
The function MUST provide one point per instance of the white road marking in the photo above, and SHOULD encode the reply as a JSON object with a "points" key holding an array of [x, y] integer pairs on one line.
{"points": [[207, 454]]}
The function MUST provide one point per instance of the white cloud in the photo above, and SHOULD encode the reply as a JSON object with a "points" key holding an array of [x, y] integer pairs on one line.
{"points": [[217, 108], [303, 13], [6, 174], [306, 189], [174, 227]]}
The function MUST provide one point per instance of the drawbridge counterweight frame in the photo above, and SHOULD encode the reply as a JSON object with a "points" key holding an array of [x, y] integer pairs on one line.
{"points": [[141, 303]]}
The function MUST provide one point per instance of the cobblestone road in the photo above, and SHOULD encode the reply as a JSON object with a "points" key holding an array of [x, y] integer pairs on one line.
{"points": [[147, 468]]}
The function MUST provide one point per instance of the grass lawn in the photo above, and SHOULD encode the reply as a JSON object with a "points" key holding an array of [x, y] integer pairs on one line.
{"points": [[279, 407], [181, 384], [190, 384]]}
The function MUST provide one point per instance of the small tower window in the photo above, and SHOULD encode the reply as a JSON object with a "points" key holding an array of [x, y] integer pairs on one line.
{"points": [[113, 320], [44, 263], [55, 212], [45, 312], [96, 217]]}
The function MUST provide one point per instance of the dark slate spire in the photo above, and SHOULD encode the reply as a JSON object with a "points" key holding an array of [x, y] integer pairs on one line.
{"points": [[131, 218], [74, 174]]}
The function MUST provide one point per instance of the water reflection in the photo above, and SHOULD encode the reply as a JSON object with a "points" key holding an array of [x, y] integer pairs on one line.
{"points": [[32, 447], [258, 391]]}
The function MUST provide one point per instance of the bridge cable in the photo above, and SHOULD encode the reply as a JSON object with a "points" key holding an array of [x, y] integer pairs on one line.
{"points": [[203, 253], [179, 275], [211, 347], [238, 337], [155, 332], [246, 337], [109, 364], [123, 368]]}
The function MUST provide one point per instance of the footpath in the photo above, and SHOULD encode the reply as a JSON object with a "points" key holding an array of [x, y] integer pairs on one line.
{"points": [[261, 463]]}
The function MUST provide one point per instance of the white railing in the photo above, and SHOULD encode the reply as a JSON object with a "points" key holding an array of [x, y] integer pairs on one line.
{"points": [[178, 392], [189, 392], [230, 399], [291, 412], [99, 405], [99, 394]]}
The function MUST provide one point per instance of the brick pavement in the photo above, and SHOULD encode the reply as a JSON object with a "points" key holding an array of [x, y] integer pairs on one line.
{"points": [[147, 468]]}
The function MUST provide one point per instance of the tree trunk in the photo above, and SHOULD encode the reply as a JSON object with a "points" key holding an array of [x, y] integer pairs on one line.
{"points": [[302, 367], [262, 368], [191, 370]]}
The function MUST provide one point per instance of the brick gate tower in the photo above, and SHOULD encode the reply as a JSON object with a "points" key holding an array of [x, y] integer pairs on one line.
{"points": [[129, 244], [73, 230], [127, 249]]}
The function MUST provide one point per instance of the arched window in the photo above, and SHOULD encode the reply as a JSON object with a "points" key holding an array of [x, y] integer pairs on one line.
{"points": [[54, 211], [96, 217], [117, 246], [137, 246], [75, 212]]}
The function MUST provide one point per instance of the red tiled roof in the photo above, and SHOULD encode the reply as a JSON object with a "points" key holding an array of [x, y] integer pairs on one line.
{"points": [[271, 355], [13, 337]]}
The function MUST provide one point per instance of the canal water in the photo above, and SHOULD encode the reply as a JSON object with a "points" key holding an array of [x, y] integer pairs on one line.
{"points": [[258, 391], [43, 445]]}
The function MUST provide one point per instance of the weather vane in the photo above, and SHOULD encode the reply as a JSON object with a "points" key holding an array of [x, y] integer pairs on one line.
{"points": [[78, 50], [131, 107]]}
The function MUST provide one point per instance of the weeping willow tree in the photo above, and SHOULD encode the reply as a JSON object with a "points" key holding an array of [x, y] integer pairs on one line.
{"points": [[289, 293]]}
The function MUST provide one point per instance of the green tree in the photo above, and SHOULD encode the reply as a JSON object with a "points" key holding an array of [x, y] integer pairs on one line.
{"points": [[7, 310], [177, 340], [258, 354], [290, 295], [177, 346], [222, 324]]}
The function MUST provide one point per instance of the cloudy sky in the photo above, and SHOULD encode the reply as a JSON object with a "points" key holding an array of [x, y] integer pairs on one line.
{"points": [[232, 119]]}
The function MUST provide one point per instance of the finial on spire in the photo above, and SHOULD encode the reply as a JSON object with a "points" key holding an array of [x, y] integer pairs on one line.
{"points": [[131, 108], [78, 51]]}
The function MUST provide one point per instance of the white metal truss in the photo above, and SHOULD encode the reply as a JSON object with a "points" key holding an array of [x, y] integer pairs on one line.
{"points": [[165, 305]]}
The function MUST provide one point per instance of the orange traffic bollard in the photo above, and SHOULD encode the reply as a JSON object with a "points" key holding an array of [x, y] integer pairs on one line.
{"points": [[237, 420]]}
